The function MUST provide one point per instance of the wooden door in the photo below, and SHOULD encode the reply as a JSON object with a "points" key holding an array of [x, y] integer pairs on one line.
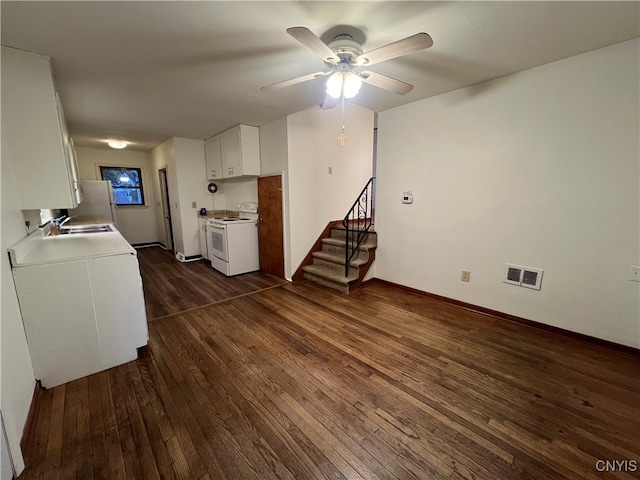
{"points": [[270, 225]]}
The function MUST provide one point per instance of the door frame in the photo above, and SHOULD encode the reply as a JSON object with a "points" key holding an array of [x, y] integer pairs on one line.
{"points": [[166, 208]]}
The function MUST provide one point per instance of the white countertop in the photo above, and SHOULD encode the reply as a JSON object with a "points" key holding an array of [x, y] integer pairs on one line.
{"points": [[77, 220], [37, 248]]}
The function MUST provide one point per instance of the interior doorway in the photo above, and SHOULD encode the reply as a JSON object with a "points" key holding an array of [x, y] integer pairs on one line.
{"points": [[270, 225], [166, 208]]}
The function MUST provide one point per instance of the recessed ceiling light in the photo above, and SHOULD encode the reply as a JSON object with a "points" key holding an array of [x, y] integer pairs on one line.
{"points": [[117, 144]]}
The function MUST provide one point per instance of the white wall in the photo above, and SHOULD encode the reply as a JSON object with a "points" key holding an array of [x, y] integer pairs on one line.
{"points": [[315, 196], [192, 183], [17, 380], [540, 169], [162, 157], [137, 224], [235, 191], [186, 178]]}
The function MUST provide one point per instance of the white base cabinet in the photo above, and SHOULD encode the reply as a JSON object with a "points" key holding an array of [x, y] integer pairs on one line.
{"points": [[82, 316], [233, 153], [202, 225]]}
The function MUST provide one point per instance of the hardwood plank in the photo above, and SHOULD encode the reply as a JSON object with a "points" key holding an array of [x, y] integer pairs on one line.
{"points": [[54, 442], [84, 466], [99, 459], [188, 426], [133, 468], [111, 434], [180, 423], [158, 454], [69, 432]]}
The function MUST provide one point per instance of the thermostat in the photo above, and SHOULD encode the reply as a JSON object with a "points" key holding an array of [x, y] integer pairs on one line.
{"points": [[407, 197]]}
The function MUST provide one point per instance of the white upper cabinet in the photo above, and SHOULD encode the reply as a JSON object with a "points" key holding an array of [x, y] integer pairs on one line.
{"points": [[233, 153], [33, 125], [213, 158]]}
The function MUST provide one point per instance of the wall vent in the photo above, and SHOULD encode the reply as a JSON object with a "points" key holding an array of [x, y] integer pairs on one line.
{"points": [[523, 276]]}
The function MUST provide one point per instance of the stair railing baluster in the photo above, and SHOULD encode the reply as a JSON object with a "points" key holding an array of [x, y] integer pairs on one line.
{"points": [[358, 221]]}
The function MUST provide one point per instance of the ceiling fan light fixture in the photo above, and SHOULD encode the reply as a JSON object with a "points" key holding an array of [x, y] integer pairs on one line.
{"points": [[344, 54], [352, 84], [348, 83], [334, 85]]}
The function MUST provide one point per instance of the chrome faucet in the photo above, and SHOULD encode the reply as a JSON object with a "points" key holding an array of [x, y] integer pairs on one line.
{"points": [[64, 221], [60, 221]]}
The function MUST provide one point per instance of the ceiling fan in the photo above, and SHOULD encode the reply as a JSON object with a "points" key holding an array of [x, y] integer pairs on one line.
{"points": [[344, 58]]}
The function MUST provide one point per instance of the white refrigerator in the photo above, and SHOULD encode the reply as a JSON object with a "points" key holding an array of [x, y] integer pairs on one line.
{"points": [[97, 201]]}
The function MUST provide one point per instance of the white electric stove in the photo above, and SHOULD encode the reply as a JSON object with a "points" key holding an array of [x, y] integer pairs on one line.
{"points": [[233, 241]]}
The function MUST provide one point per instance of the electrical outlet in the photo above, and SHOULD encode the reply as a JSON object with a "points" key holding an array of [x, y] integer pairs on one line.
{"points": [[194, 204], [466, 276], [634, 273]]}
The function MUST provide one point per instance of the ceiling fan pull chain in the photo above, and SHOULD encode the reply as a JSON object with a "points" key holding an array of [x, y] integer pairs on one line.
{"points": [[342, 137]]}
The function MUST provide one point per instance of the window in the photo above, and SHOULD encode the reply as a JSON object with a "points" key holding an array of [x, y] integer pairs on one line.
{"points": [[126, 183]]}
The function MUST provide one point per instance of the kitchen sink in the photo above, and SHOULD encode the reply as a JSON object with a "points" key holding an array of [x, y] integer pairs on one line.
{"points": [[72, 230]]}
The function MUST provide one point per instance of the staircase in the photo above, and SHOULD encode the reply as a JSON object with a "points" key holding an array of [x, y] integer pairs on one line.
{"points": [[328, 267], [345, 250]]}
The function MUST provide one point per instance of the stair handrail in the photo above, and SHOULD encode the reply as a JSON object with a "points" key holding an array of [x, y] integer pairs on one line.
{"points": [[358, 221]]}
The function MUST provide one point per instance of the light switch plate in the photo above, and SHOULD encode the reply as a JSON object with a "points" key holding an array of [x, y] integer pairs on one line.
{"points": [[634, 273]]}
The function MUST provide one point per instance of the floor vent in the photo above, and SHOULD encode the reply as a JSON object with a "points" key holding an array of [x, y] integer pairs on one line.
{"points": [[523, 276]]}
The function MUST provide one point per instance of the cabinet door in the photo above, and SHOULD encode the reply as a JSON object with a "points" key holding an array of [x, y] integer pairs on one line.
{"points": [[59, 319], [120, 317], [32, 126], [70, 156], [202, 223], [250, 144], [231, 153], [213, 158]]}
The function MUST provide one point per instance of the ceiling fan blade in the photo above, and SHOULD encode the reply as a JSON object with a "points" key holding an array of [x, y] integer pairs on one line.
{"points": [[329, 102], [411, 44], [386, 83], [313, 43], [293, 81]]}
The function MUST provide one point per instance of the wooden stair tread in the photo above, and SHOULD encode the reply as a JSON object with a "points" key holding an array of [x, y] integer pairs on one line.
{"points": [[339, 259], [341, 227], [331, 275], [342, 242]]}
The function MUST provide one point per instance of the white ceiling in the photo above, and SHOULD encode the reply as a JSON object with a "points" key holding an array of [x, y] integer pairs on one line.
{"points": [[144, 71]]}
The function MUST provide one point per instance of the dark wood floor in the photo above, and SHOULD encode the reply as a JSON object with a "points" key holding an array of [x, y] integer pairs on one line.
{"points": [[300, 382], [171, 287]]}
